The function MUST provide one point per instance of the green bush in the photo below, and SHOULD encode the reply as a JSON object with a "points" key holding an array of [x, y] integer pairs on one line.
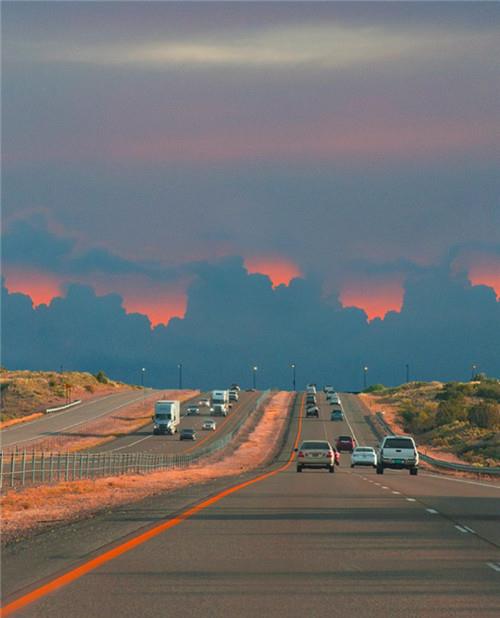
{"points": [[489, 390], [485, 415], [101, 377], [451, 410], [374, 388], [455, 390], [418, 418]]}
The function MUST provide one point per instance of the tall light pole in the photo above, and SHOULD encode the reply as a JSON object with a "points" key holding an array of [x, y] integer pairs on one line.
{"points": [[143, 371], [179, 367], [407, 372], [473, 370], [293, 376], [365, 371], [254, 376]]}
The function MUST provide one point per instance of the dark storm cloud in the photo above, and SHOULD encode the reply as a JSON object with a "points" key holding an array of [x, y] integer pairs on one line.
{"points": [[235, 320]]}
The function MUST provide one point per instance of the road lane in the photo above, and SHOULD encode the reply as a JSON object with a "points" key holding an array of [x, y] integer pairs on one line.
{"points": [[57, 422], [143, 440], [297, 544]]}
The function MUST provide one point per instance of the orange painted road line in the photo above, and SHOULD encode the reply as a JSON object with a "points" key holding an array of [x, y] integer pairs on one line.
{"points": [[111, 554]]}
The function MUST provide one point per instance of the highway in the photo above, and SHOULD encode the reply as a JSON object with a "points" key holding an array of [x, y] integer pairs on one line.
{"points": [[144, 441], [280, 543], [56, 422]]}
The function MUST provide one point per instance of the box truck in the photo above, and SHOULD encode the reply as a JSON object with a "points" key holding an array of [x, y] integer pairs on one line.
{"points": [[167, 417], [220, 397]]}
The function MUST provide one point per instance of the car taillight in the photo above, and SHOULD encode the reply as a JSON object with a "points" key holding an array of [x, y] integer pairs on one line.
{"points": [[301, 454]]}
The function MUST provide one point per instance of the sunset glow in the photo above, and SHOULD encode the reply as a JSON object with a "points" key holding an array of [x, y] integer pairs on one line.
{"points": [[279, 270], [375, 297], [40, 287]]}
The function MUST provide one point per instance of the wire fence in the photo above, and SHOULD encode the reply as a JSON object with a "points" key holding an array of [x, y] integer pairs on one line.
{"points": [[21, 468]]}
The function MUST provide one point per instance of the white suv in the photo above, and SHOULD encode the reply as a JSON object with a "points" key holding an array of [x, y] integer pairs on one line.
{"points": [[315, 454], [399, 453]]}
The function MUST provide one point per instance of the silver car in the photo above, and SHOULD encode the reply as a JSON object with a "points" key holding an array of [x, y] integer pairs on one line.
{"points": [[364, 456], [315, 454], [209, 425]]}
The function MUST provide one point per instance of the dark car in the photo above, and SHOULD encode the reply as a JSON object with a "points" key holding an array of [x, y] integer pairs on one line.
{"points": [[337, 415], [312, 411], [345, 443], [187, 434]]}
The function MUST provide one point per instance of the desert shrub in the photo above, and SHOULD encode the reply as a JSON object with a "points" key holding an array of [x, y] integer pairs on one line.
{"points": [[417, 418], [451, 410], [454, 390], [488, 390], [89, 388], [52, 383], [101, 377], [373, 388], [485, 415]]}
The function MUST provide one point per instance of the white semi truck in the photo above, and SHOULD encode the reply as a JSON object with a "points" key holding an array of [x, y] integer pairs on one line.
{"points": [[167, 417], [220, 402]]}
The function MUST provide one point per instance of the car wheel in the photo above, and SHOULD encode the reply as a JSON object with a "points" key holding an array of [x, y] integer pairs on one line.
{"points": [[331, 468], [380, 470], [299, 468], [414, 471]]}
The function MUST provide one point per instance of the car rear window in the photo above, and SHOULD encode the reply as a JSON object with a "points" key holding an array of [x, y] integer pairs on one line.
{"points": [[398, 443], [313, 445], [364, 450], [345, 438]]}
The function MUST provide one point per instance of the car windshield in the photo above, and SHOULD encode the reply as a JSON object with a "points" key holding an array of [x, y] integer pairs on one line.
{"points": [[165, 416], [314, 445], [398, 443]]}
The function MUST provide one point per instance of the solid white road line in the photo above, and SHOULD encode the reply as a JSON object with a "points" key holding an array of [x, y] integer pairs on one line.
{"points": [[447, 478], [495, 567], [93, 418]]}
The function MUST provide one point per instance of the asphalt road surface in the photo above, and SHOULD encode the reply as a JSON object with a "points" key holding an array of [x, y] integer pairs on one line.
{"points": [[312, 544], [57, 422], [144, 441]]}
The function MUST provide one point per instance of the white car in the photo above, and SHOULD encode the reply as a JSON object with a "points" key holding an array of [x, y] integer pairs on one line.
{"points": [[364, 456], [204, 402], [209, 425], [315, 454]]}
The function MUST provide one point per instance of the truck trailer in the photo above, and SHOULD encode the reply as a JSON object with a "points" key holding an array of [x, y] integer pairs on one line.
{"points": [[167, 417]]}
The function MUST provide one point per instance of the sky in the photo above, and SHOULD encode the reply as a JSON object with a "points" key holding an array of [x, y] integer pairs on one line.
{"points": [[321, 161]]}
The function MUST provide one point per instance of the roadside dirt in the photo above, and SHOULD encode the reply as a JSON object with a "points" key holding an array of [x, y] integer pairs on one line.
{"points": [[25, 395], [376, 403], [35, 509], [121, 422]]}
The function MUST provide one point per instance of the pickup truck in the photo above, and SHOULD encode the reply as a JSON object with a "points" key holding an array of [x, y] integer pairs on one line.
{"points": [[398, 453]]}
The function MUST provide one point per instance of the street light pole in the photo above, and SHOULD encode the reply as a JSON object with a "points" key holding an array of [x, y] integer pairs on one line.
{"points": [[473, 371], [179, 367], [365, 371], [254, 376], [143, 371], [293, 376], [407, 372]]}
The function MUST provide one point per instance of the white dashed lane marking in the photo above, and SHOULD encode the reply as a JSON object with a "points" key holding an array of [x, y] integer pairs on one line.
{"points": [[432, 511], [494, 566], [411, 499], [461, 529]]}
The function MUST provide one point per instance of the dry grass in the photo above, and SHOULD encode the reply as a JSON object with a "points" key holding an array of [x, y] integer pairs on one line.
{"points": [[34, 509], [25, 393], [121, 422]]}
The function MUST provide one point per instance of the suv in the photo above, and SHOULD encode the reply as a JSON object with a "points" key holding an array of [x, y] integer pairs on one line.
{"points": [[399, 453], [346, 443], [315, 454]]}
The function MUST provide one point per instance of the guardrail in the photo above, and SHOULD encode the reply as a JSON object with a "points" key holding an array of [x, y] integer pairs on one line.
{"points": [[68, 405], [20, 468], [439, 463]]}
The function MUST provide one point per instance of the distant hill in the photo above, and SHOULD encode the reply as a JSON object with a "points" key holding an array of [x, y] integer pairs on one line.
{"points": [[27, 393]]}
